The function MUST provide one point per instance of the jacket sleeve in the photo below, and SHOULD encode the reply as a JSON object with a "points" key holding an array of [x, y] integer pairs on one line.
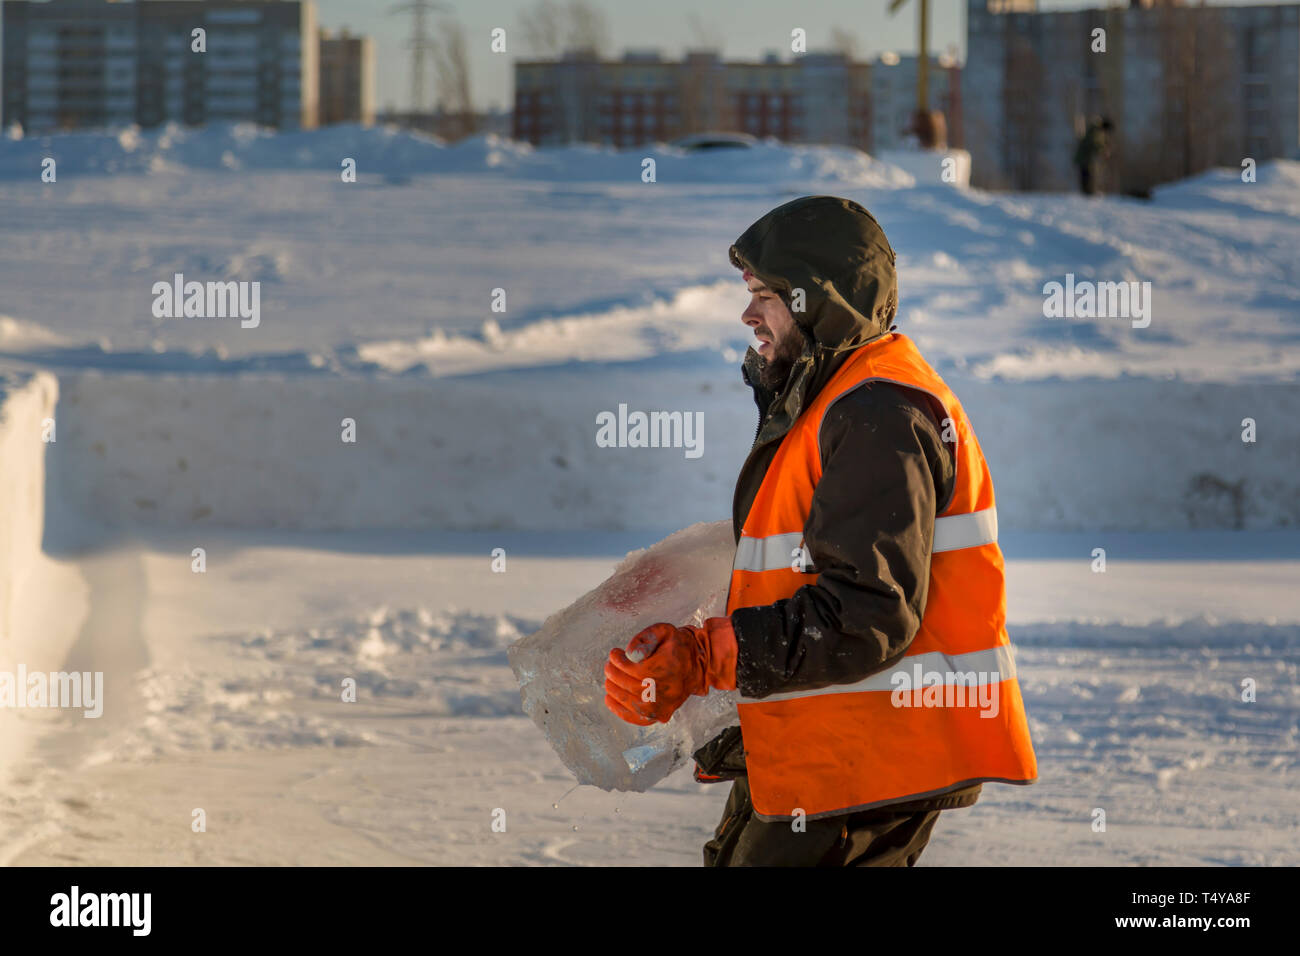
{"points": [[885, 474]]}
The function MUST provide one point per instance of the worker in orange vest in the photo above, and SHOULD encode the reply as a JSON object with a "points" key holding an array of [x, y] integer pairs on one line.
{"points": [[866, 619]]}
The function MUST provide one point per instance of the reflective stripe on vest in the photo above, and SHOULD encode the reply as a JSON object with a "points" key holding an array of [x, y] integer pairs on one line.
{"points": [[954, 532], [991, 666], [951, 533], [768, 553], [851, 746]]}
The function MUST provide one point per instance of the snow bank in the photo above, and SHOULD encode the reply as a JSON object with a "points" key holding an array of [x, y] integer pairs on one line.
{"points": [[392, 152], [1281, 176]]}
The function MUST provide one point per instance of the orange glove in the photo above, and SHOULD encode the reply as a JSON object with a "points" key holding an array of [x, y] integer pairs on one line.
{"points": [[664, 665]]}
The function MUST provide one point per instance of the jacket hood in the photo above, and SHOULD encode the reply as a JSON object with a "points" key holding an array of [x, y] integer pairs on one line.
{"points": [[836, 252]]}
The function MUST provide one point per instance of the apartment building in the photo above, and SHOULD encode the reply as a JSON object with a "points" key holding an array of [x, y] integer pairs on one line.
{"points": [[817, 97], [94, 63], [347, 78]]}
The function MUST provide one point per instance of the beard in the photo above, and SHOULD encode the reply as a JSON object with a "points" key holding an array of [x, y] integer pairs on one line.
{"points": [[775, 369]]}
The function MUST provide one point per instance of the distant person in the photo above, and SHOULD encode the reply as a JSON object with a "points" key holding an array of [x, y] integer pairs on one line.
{"points": [[1091, 154], [867, 588]]}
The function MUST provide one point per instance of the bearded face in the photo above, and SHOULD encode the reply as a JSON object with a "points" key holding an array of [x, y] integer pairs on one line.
{"points": [[778, 338], [776, 367]]}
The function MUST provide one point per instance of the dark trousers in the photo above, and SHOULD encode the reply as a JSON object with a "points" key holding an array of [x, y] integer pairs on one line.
{"points": [[867, 838], [1087, 181]]}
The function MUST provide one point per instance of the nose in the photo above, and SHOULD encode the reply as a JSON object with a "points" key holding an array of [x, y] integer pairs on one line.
{"points": [[751, 316]]}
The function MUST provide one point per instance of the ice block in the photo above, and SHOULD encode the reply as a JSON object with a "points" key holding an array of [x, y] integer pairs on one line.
{"points": [[560, 668]]}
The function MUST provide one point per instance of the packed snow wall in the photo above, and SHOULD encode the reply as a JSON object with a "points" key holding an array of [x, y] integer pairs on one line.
{"points": [[331, 452], [520, 451], [43, 602], [26, 404]]}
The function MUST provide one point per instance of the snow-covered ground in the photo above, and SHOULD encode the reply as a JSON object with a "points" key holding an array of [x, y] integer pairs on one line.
{"points": [[476, 430], [237, 711]]}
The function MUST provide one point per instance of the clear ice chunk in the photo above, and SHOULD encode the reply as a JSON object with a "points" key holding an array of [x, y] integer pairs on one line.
{"points": [[560, 668]]}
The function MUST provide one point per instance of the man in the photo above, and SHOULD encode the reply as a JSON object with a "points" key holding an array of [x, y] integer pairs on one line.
{"points": [[865, 620], [1091, 155]]}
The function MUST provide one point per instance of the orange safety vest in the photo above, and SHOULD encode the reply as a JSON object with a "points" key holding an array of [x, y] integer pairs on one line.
{"points": [[945, 715]]}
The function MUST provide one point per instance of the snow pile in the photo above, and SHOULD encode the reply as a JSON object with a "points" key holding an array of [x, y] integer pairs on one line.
{"points": [[1276, 190], [401, 276], [693, 319], [396, 153], [681, 580]]}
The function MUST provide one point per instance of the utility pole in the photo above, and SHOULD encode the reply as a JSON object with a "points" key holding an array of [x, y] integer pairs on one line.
{"points": [[420, 43], [923, 58], [923, 65], [928, 125]]}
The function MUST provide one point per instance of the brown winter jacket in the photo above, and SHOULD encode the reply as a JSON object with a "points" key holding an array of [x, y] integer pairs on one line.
{"points": [[871, 525]]}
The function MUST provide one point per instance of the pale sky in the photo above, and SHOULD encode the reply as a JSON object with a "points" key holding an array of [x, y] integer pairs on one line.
{"points": [[747, 28]]}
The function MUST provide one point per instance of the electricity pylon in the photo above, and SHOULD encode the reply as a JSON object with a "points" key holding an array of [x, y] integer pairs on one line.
{"points": [[420, 44]]}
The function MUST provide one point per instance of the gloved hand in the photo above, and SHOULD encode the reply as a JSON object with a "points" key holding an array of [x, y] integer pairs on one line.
{"points": [[680, 661]]}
